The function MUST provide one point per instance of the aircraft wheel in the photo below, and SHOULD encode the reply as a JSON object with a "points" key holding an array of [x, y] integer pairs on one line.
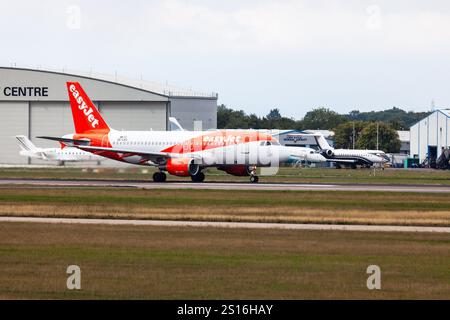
{"points": [[199, 177], [254, 179], [159, 176]]}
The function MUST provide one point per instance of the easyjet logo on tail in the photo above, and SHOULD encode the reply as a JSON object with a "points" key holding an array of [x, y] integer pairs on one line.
{"points": [[88, 111]]}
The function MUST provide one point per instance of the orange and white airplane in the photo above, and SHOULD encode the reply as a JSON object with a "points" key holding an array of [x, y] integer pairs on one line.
{"points": [[180, 153]]}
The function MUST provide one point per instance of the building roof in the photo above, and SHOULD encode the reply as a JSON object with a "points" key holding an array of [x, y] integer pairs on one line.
{"points": [[445, 112], [325, 133], [168, 90]]}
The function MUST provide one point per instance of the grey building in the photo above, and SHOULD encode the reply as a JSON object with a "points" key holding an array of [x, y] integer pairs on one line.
{"points": [[35, 102]]}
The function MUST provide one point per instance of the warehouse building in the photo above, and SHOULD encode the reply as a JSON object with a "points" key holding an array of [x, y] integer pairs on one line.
{"points": [[35, 103], [405, 141], [430, 136]]}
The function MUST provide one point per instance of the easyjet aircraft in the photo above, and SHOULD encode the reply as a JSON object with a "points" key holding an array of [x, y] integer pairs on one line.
{"points": [[180, 153]]}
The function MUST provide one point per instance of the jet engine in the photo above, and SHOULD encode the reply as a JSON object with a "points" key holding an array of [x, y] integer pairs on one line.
{"points": [[238, 170], [182, 167], [328, 153]]}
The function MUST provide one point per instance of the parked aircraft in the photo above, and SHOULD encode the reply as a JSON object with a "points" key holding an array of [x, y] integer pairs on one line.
{"points": [[63, 154], [351, 157], [181, 153]]}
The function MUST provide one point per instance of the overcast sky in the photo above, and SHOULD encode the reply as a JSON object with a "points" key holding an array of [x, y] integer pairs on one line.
{"points": [[294, 55]]}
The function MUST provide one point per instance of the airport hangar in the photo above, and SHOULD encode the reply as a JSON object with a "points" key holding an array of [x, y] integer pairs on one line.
{"points": [[431, 135], [35, 103]]}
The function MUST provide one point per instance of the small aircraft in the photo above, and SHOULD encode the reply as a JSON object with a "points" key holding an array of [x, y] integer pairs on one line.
{"points": [[63, 154], [181, 153], [351, 157]]}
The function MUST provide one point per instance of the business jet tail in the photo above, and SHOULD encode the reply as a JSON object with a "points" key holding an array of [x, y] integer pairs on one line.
{"points": [[322, 142], [25, 143]]}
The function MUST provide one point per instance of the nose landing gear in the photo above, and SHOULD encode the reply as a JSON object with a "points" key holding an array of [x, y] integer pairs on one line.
{"points": [[253, 177]]}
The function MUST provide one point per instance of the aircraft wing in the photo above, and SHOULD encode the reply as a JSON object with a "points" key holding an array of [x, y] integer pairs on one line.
{"points": [[72, 142], [128, 151], [155, 157], [342, 160]]}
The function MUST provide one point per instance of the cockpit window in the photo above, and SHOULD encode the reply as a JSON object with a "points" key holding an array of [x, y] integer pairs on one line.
{"points": [[275, 143]]}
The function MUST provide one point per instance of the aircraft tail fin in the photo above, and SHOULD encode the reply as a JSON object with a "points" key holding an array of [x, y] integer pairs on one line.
{"points": [[86, 117], [322, 142], [25, 143]]}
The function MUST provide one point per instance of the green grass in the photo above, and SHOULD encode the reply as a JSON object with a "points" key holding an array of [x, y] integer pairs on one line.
{"points": [[285, 174], [121, 262], [376, 200]]}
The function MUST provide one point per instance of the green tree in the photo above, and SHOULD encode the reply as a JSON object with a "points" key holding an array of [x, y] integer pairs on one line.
{"points": [[343, 134], [400, 119], [235, 119], [322, 118], [274, 114], [388, 140]]}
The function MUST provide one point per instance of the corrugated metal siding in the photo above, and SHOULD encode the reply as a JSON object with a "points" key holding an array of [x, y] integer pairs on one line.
{"points": [[14, 121], [186, 111], [134, 115], [49, 119]]}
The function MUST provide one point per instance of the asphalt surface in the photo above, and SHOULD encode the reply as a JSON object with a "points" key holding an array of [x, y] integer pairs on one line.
{"points": [[232, 225], [224, 185]]}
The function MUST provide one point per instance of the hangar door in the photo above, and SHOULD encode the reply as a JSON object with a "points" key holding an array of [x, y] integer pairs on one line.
{"points": [[134, 115], [49, 119], [14, 121]]}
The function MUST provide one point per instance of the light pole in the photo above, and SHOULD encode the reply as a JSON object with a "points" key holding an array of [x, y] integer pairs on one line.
{"points": [[353, 135], [378, 125]]}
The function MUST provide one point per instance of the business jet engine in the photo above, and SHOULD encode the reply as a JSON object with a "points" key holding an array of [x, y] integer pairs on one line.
{"points": [[328, 153]]}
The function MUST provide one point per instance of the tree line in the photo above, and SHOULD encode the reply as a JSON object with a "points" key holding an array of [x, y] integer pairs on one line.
{"points": [[355, 129]]}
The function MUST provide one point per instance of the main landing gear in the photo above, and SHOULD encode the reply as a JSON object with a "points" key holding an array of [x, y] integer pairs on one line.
{"points": [[159, 176], [199, 177]]}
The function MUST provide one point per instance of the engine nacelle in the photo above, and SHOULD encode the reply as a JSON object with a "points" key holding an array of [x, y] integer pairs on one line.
{"points": [[237, 170], [328, 153], [182, 167]]}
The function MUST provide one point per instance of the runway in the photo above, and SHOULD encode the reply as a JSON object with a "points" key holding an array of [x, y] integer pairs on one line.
{"points": [[231, 225], [224, 185]]}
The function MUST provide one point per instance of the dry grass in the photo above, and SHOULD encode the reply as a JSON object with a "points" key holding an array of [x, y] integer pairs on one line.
{"points": [[284, 215], [198, 263], [256, 206]]}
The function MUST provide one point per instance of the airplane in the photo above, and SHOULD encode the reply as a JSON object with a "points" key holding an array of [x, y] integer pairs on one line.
{"points": [[180, 153], [63, 154], [351, 157]]}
